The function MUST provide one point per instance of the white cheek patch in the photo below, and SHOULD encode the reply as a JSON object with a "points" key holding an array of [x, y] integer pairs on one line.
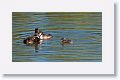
{"points": [[41, 36]]}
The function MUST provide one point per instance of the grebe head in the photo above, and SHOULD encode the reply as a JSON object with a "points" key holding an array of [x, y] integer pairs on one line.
{"points": [[62, 38], [37, 30], [25, 41]]}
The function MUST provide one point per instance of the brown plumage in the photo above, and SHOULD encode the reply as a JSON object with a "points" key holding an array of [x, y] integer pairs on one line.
{"points": [[66, 41], [37, 37], [31, 40]]}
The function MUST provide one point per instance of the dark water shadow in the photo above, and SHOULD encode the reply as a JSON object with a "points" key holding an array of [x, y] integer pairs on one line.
{"points": [[36, 48]]}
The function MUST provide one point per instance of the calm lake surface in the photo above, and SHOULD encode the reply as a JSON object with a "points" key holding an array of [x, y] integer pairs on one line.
{"points": [[83, 28]]}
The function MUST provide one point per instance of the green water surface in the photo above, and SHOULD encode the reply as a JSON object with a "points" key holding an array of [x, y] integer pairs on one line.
{"points": [[83, 28]]}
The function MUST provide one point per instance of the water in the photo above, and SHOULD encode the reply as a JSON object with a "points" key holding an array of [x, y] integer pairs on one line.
{"points": [[83, 28]]}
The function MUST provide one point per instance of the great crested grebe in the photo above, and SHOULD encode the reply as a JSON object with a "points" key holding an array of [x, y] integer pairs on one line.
{"points": [[37, 38]]}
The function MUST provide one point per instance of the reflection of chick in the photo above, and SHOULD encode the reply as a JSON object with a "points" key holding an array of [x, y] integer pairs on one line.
{"points": [[66, 41]]}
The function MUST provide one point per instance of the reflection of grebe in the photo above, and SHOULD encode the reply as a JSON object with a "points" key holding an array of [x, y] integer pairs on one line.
{"points": [[66, 41]]}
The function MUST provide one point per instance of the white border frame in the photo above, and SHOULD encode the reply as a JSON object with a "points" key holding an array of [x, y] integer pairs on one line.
{"points": [[104, 67]]}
